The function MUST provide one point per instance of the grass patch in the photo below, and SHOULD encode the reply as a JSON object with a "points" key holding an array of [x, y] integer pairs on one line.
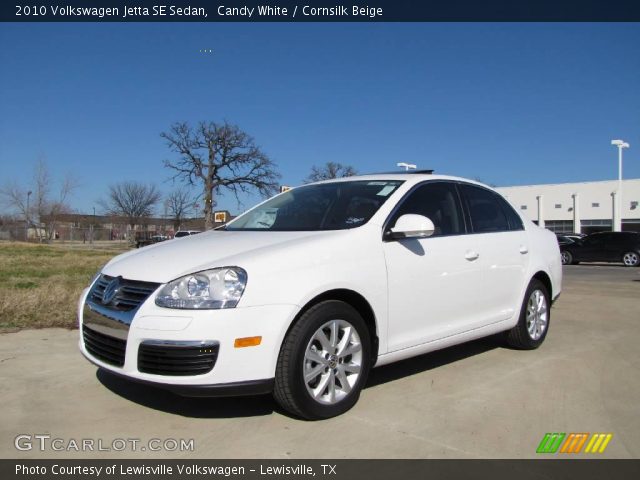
{"points": [[40, 284]]}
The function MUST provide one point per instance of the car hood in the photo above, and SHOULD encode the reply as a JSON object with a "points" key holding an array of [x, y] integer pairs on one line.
{"points": [[166, 261]]}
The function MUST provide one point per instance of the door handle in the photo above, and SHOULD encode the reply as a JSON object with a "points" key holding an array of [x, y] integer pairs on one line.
{"points": [[524, 249], [471, 255]]}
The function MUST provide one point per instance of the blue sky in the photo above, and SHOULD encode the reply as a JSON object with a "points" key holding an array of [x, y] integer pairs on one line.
{"points": [[510, 104]]}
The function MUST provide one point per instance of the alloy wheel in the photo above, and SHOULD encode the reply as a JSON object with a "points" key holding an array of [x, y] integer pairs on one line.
{"points": [[332, 362], [631, 259], [537, 314]]}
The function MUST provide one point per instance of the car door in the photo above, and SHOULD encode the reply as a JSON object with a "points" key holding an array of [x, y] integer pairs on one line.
{"points": [[591, 249], [613, 246], [503, 250], [433, 283]]}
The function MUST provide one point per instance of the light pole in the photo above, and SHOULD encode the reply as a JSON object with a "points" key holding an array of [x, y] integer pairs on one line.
{"points": [[617, 227], [406, 166], [26, 233], [93, 220]]}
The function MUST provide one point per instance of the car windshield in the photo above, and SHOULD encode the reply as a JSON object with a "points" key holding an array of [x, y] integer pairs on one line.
{"points": [[325, 206]]}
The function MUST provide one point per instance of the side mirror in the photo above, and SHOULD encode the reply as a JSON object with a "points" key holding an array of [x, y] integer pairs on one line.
{"points": [[412, 226]]}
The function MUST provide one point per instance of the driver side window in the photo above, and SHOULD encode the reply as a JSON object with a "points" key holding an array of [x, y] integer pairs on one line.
{"points": [[439, 202]]}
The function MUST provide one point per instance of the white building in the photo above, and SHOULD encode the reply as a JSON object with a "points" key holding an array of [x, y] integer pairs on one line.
{"points": [[585, 207]]}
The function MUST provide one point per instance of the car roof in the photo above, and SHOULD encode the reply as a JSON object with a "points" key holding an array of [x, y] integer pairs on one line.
{"points": [[407, 177]]}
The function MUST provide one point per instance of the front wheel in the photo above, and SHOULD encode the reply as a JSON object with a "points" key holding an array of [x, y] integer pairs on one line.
{"points": [[566, 257], [535, 315], [631, 259], [324, 362]]}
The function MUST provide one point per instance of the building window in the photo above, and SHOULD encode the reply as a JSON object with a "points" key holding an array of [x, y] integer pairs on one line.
{"points": [[592, 226], [558, 205], [595, 204], [559, 226], [523, 207], [597, 223]]}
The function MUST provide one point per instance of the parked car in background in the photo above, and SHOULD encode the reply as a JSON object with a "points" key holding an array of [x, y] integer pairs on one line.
{"points": [[563, 239], [571, 236], [149, 238], [303, 294], [185, 233], [603, 247]]}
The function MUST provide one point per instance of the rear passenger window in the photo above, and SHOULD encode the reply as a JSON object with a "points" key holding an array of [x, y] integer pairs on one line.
{"points": [[488, 214], [515, 222], [438, 201]]}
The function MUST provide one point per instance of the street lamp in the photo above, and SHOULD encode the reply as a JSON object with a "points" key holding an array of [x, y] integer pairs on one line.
{"points": [[406, 166], [620, 144]]}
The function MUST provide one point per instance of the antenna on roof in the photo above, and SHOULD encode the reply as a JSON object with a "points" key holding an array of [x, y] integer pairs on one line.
{"points": [[407, 166]]}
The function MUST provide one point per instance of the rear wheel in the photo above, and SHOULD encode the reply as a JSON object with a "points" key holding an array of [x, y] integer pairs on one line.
{"points": [[324, 362], [631, 259], [535, 315]]}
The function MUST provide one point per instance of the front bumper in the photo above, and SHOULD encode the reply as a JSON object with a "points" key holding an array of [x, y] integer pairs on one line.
{"points": [[234, 389], [248, 370]]}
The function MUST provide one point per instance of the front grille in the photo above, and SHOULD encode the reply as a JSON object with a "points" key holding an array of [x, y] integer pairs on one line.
{"points": [[129, 294], [104, 347], [176, 360]]}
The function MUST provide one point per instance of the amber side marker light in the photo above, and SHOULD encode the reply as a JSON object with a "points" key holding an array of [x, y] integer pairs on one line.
{"points": [[247, 342]]}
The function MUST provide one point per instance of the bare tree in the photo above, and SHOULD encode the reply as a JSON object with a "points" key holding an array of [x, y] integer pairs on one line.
{"points": [[330, 170], [132, 200], [179, 203], [36, 203], [219, 157]]}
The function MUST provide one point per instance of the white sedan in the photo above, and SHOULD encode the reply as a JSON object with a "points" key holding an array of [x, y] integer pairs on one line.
{"points": [[303, 294]]}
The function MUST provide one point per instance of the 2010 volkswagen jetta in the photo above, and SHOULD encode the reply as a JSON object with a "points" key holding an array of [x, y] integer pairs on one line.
{"points": [[303, 294]]}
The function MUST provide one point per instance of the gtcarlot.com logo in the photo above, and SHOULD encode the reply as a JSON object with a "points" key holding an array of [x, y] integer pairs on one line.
{"points": [[574, 442], [46, 442]]}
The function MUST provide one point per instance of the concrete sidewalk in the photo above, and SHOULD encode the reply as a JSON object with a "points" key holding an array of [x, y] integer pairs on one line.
{"points": [[478, 400]]}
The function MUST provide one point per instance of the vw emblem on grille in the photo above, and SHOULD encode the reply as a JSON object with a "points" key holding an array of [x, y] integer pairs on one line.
{"points": [[110, 291]]}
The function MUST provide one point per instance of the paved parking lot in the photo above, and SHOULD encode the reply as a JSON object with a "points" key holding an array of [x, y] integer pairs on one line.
{"points": [[476, 400]]}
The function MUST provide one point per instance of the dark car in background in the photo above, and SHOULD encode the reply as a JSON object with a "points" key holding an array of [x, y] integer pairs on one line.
{"points": [[603, 247], [149, 238], [563, 239], [185, 233]]}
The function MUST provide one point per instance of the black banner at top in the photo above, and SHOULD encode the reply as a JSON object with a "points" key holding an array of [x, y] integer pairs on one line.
{"points": [[321, 11]]}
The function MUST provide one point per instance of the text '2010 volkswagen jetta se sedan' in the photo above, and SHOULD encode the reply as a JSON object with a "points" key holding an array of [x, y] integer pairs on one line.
{"points": [[303, 294]]}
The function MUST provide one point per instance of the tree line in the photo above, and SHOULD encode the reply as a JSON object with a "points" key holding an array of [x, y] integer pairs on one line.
{"points": [[209, 158]]}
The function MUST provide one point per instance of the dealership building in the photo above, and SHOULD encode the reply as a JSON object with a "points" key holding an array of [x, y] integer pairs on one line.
{"points": [[585, 207]]}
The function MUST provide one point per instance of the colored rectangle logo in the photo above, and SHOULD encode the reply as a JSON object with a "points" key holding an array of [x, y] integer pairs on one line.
{"points": [[573, 443]]}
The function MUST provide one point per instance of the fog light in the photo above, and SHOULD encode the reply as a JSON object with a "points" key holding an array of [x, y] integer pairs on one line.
{"points": [[247, 342]]}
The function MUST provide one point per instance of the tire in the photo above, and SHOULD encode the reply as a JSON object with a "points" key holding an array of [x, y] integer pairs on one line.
{"points": [[535, 316], [311, 349], [566, 257], [631, 259]]}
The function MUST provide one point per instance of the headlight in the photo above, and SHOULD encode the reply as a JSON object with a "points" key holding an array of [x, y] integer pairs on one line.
{"points": [[216, 288]]}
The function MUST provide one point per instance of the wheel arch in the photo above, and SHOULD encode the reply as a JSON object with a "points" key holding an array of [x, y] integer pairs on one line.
{"points": [[354, 299], [546, 281]]}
